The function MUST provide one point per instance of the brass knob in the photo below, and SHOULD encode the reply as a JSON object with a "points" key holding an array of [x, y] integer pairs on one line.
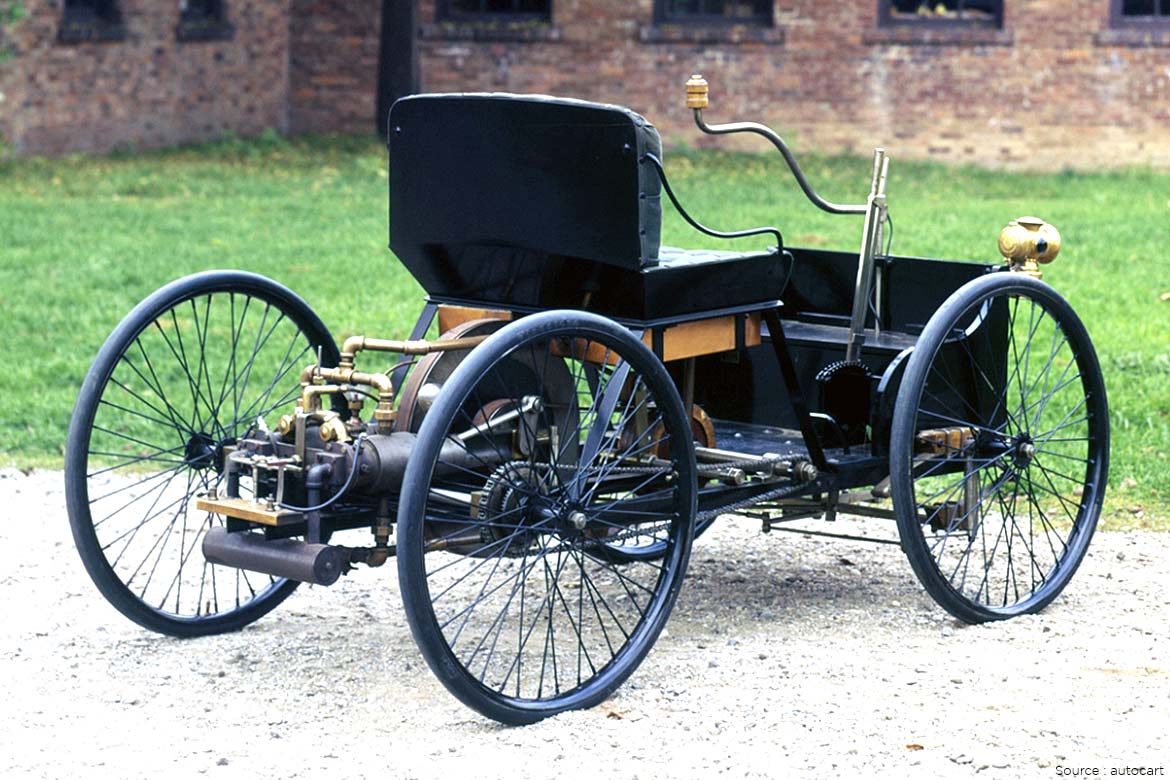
{"points": [[1027, 241], [696, 92]]}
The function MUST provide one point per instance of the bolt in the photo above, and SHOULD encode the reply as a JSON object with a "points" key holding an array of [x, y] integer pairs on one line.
{"points": [[578, 520]]}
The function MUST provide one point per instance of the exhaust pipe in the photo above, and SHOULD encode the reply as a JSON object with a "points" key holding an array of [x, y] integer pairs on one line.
{"points": [[319, 564]]}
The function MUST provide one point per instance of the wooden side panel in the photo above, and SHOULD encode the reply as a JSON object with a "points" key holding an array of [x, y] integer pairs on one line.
{"points": [[453, 316], [687, 339], [705, 337]]}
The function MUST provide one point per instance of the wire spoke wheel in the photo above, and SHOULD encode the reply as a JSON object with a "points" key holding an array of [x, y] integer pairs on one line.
{"points": [[999, 448], [540, 454], [189, 370]]}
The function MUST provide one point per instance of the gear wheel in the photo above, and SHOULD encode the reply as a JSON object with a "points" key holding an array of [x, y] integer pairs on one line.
{"points": [[845, 388], [503, 494]]}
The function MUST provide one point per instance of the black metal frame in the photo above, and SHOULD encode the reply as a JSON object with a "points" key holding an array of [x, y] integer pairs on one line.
{"points": [[1159, 20], [886, 17], [445, 12], [667, 12]]}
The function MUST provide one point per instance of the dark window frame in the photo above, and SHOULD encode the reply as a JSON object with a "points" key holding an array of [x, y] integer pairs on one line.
{"points": [[204, 20], [887, 19], [91, 21], [664, 15], [445, 13], [1118, 19]]}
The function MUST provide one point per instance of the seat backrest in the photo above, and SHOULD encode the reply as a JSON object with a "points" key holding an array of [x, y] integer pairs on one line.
{"points": [[474, 174]]}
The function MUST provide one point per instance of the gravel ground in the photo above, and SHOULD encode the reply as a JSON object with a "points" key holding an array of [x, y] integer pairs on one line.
{"points": [[786, 656]]}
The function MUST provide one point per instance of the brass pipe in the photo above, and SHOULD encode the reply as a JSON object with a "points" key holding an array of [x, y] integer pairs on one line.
{"points": [[310, 394], [355, 344]]}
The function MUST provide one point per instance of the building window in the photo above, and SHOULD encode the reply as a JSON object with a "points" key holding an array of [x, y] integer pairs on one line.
{"points": [[962, 13], [1140, 13], [91, 20], [494, 10], [713, 12], [203, 20]]}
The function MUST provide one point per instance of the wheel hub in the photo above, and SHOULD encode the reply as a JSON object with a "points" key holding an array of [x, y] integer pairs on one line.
{"points": [[201, 451], [1024, 453]]}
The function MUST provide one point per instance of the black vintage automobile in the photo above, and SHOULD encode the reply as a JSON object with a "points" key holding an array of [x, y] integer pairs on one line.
{"points": [[592, 402]]}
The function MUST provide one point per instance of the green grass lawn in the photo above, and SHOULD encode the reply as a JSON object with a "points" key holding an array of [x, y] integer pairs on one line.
{"points": [[83, 240]]}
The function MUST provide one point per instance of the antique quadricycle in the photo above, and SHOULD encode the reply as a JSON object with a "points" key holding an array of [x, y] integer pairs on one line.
{"points": [[592, 403]]}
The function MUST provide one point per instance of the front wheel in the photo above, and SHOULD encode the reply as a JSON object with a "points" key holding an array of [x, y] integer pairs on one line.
{"points": [[999, 449], [188, 371], [544, 449]]}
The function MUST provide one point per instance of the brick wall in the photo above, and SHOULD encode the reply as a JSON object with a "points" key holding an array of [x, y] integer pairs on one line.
{"points": [[1055, 88], [148, 89], [333, 65]]}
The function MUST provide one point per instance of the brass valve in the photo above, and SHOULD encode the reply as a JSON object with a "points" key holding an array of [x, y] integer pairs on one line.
{"points": [[1027, 242], [696, 92]]}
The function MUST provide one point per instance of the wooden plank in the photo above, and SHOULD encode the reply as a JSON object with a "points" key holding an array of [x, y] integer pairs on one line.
{"points": [[704, 337], [244, 509], [453, 316]]}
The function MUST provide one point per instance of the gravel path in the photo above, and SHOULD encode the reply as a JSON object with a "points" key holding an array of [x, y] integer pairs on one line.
{"points": [[786, 656]]}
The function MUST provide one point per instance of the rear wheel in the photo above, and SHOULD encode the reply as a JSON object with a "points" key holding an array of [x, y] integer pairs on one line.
{"points": [[999, 449], [539, 454], [188, 371]]}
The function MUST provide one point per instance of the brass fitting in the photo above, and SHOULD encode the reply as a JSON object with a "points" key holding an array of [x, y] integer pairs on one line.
{"points": [[382, 549], [332, 428], [287, 424], [384, 413], [1027, 242], [696, 92]]}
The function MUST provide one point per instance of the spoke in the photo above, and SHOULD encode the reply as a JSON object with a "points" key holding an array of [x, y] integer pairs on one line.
{"points": [[132, 461]]}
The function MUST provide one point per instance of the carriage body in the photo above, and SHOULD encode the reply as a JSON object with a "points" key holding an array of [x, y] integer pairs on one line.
{"points": [[508, 205], [592, 402]]}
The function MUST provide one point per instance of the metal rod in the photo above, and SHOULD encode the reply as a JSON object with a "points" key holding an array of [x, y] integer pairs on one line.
{"points": [[778, 142], [870, 236], [689, 384], [528, 404], [850, 537]]}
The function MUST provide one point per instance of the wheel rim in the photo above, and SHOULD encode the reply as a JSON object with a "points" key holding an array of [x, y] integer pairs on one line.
{"points": [[1009, 445], [531, 614], [181, 379]]}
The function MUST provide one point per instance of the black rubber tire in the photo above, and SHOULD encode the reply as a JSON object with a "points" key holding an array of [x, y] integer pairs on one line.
{"points": [[540, 502], [997, 526], [133, 413]]}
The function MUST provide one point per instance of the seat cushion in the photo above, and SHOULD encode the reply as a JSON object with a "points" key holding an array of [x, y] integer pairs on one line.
{"points": [[687, 281]]}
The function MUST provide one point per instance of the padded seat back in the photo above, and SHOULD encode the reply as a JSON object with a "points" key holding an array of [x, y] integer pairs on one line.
{"points": [[472, 174]]}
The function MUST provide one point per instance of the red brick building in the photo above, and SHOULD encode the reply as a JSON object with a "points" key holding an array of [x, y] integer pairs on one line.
{"points": [[1020, 83]]}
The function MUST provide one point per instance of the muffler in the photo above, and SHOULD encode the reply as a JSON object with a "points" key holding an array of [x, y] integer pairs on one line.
{"points": [[319, 564]]}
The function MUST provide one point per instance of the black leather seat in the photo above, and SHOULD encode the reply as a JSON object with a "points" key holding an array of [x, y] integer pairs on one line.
{"points": [[533, 201]]}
